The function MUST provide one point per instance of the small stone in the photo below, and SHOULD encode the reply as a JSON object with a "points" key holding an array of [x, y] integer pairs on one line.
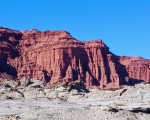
{"points": [[25, 81]]}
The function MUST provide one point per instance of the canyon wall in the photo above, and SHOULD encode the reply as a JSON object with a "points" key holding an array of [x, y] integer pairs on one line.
{"points": [[55, 56]]}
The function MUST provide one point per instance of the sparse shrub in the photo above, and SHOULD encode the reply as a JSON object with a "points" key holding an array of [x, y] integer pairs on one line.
{"points": [[116, 88], [120, 104]]}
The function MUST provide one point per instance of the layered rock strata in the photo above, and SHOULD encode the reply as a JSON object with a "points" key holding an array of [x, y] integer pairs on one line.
{"points": [[55, 56]]}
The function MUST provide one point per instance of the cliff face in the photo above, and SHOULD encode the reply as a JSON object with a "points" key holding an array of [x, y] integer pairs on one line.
{"points": [[9, 40], [56, 56], [137, 68]]}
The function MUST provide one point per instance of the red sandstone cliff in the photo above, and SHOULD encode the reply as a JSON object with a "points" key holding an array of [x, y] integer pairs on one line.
{"points": [[137, 68], [56, 56]]}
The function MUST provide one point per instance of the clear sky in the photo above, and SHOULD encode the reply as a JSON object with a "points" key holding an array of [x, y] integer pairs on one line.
{"points": [[124, 25]]}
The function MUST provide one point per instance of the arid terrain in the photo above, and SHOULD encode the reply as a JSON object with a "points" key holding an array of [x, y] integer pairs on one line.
{"points": [[72, 101], [56, 56], [50, 75]]}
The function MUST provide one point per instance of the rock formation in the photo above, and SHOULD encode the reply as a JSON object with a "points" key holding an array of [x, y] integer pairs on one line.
{"points": [[137, 68], [55, 56]]}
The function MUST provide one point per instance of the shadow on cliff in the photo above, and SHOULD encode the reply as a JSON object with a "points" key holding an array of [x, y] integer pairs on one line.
{"points": [[8, 70], [133, 82], [47, 77], [8, 52], [123, 74], [121, 70], [85, 66]]}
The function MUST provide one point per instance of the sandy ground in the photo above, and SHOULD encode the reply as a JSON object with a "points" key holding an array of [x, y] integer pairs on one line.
{"points": [[62, 110], [95, 105]]}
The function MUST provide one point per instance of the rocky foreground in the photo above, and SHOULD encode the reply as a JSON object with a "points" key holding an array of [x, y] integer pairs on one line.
{"points": [[51, 75], [29, 99]]}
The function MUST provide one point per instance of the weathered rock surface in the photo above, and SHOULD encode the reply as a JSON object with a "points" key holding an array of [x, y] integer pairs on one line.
{"points": [[56, 102], [137, 68], [55, 56], [37, 89]]}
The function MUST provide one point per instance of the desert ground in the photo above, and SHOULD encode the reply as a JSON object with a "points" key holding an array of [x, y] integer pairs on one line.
{"points": [[35, 101]]}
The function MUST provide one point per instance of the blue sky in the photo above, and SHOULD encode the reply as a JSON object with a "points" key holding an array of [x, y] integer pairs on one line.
{"points": [[124, 25]]}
